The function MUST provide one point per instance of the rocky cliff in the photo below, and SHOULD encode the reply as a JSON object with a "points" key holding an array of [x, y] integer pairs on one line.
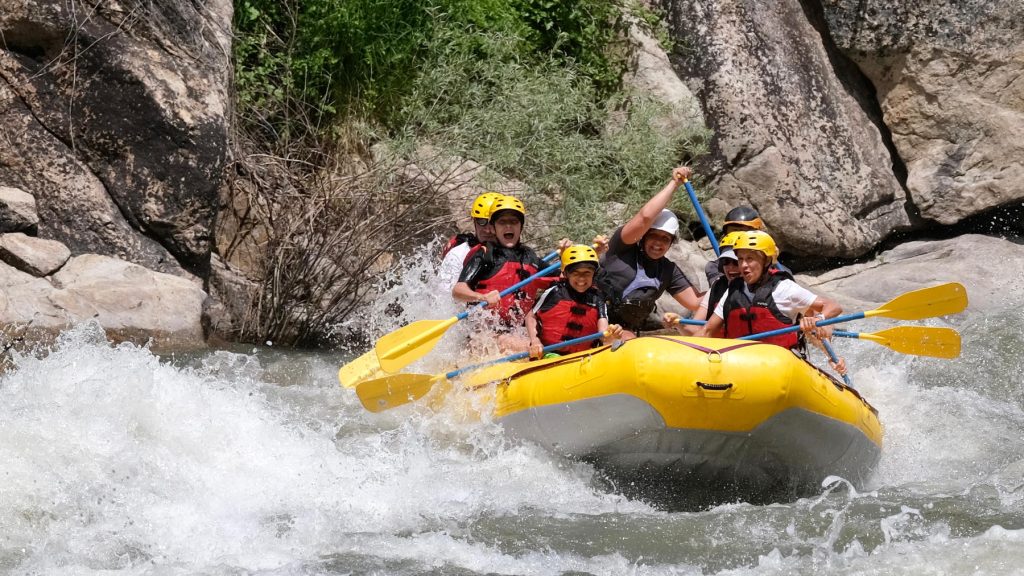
{"points": [[845, 121], [113, 118], [842, 122]]}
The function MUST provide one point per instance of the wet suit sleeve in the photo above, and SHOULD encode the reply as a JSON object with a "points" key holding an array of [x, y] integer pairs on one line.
{"points": [[473, 268]]}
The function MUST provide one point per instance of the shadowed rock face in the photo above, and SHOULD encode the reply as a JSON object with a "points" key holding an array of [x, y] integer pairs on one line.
{"points": [[791, 139], [950, 82], [114, 119]]}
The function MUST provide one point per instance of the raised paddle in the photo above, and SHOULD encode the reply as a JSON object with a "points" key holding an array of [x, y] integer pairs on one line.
{"points": [[950, 298], [916, 340], [391, 391], [404, 346], [703, 217]]}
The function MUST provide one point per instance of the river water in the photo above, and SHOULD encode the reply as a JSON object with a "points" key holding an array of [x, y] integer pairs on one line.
{"points": [[117, 460]]}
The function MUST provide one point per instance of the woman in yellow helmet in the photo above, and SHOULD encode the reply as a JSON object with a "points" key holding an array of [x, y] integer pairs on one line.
{"points": [[636, 272], [764, 299], [739, 219], [572, 308]]}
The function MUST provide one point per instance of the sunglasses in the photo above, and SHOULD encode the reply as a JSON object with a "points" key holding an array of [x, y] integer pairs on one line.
{"points": [[482, 222]]}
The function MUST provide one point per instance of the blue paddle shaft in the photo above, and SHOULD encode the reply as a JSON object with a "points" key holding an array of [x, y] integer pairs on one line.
{"points": [[514, 287], [519, 355], [836, 320], [703, 217], [835, 360]]}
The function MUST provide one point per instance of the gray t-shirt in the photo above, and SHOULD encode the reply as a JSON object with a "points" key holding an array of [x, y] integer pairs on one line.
{"points": [[619, 266]]}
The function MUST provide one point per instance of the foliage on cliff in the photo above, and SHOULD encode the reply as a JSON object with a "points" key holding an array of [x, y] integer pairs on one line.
{"points": [[529, 88]]}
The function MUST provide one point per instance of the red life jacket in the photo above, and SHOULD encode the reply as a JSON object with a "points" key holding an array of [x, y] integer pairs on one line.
{"points": [[509, 267], [460, 238], [565, 314], [744, 316]]}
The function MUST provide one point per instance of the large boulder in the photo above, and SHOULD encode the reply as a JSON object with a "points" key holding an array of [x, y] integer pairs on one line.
{"points": [[130, 302], [114, 116], [983, 264], [949, 78], [793, 136]]}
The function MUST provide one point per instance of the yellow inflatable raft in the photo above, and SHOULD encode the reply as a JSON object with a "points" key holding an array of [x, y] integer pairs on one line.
{"points": [[704, 420]]}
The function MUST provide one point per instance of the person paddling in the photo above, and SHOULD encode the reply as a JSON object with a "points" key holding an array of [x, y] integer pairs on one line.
{"points": [[572, 308], [764, 299], [459, 246], [501, 264], [635, 271]]}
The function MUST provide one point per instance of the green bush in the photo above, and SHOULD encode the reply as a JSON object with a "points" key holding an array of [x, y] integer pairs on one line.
{"points": [[358, 56], [543, 123], [526, 87]]}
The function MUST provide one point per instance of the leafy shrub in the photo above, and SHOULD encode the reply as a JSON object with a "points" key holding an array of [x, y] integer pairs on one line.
{"points": [[544, 124]]}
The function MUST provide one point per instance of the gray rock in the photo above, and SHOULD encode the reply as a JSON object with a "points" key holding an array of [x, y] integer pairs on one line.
{"points": [[24, 299], [983, 264], [129, 301], [651, 74], [37, 256], [114, 116], [950, 82], [231, 293], [17, 210], [792, 138]]}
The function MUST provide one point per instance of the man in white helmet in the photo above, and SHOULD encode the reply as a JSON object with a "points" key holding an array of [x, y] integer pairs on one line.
{"points": [[635, 271]]}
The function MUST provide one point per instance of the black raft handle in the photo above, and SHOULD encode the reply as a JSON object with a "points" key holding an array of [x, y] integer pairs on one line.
{"points": [[717, 387]]}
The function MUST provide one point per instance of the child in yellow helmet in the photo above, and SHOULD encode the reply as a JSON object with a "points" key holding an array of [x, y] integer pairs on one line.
{"points": [[571, 308]]}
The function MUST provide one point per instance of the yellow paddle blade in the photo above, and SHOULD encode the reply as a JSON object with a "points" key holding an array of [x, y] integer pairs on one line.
{"points": [[363, 368], [938, 300], [410, 343], [391, 391], [919, 340]]}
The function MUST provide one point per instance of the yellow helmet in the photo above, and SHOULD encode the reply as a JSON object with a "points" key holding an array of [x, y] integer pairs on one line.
{"points": [[577, 254], [757, 240], [729, 239], [509, 203], [483, 204]]}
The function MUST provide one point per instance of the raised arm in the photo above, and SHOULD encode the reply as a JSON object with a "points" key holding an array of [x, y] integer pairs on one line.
{"points": [[641, 222]]}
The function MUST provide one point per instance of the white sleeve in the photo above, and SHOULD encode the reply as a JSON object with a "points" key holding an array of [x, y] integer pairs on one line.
{"points": [[704, 301], [792, 299], [451, 266]]}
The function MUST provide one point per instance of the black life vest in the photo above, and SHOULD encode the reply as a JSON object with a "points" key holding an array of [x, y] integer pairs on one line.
{"points": [[629, 307], [566, 314], [502, 268], [718, 289], [744, 316]]}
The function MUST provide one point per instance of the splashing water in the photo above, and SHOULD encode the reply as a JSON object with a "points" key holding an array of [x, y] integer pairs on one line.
{"points": [[117, 460]]}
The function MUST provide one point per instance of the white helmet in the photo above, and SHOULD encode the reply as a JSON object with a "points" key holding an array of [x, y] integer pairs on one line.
{"points": [[666, 221]]}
